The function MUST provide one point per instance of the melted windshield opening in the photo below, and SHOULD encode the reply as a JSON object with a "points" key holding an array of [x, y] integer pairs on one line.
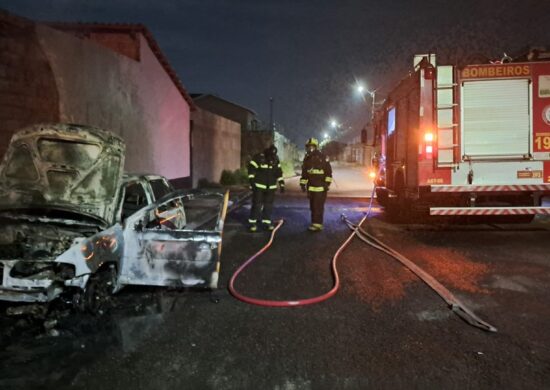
{"points": [[75, 154]]}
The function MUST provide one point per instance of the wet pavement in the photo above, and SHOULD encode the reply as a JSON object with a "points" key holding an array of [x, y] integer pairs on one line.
{"points": [[383, 329]]}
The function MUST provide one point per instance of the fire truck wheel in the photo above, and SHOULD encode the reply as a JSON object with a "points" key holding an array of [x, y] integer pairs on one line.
{"points": [[403, 205], [382, 197]]}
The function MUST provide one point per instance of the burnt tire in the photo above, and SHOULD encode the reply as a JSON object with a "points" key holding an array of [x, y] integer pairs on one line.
{"points": [[97, 298]]}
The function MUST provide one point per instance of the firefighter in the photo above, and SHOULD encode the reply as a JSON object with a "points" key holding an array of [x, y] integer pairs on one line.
{"points": [[316, 179], [264, 174]]}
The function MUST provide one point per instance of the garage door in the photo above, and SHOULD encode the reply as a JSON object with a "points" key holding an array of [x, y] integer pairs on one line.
{"points": [[495, 118]]}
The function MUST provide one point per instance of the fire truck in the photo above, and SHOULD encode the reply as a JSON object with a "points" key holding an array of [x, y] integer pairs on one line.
{"points": [[468, 140]]}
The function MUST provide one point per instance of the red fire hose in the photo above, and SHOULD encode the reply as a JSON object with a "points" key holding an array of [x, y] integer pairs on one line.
{"points": [[299, 302]]}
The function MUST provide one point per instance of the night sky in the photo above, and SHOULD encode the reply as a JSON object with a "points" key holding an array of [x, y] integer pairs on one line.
{"points": [[308, 54]]}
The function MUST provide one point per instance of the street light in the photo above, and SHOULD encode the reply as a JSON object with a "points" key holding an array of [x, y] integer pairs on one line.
{"points": [[362, 89], [333, 123]]}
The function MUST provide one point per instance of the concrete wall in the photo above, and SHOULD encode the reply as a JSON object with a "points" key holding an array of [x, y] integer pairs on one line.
{"points": [[69, 79], [28, 91], [137, 100], [216, 144], [227, 109], [252, 141], [287, 150]]}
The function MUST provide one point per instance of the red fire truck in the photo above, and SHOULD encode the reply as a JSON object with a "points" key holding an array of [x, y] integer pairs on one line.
{"points": [[470, 140]]}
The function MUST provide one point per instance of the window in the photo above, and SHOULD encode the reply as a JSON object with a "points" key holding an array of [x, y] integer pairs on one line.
{"points": [[134, 199], [391, 121], [169, 215], [160, 188]]}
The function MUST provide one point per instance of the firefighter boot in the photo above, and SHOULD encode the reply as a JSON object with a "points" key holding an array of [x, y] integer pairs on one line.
{"points": [[252, 227], [315, 227], [267, 225]]}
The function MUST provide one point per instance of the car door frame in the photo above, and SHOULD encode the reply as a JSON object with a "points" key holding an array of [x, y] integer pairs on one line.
{"points": [[172, 257]]}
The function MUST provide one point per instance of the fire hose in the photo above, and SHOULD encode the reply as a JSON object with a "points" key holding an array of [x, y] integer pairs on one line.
{"points": [[454, 303], [299, 302]]}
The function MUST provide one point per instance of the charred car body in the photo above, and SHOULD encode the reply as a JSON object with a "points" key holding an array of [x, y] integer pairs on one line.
{"points": [[72, 225]]}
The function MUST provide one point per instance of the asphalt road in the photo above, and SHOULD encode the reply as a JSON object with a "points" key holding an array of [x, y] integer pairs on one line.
{"points": [[383, 329], [349, 180]]}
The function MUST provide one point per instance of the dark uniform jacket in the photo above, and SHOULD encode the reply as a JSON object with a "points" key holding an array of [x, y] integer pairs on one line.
{"points": [[316, 172], [264, 173]]}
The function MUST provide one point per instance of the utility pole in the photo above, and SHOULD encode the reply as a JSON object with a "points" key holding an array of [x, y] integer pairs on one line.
{"points": [[373, 96]]}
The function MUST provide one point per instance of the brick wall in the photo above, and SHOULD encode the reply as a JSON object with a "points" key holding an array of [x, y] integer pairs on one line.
{"points": [[126, 44]]}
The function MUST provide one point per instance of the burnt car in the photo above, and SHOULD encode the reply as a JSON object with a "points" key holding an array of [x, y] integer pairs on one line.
{"points": [[72, 225]]}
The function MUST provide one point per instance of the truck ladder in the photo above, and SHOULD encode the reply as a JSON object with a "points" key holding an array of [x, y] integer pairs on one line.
{"points": [[445, 114]]}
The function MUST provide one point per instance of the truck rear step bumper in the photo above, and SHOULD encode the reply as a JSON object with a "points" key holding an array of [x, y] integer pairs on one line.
{"points": [[491, 188], [489, 210]]}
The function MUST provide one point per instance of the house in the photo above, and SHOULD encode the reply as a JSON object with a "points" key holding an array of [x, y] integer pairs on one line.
{"points": [[253, 138], [112, 76]]}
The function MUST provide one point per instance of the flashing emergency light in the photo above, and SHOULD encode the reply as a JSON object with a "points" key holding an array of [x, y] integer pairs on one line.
{"points": [[372, 175], [429, 149], [428, 137]]}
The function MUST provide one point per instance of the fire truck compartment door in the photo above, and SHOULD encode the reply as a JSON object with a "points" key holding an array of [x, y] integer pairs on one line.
{"points": [[495, 118]]}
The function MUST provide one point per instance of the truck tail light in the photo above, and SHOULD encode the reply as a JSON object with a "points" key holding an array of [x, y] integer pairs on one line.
{"points": [[372, 174], [428, 145]]}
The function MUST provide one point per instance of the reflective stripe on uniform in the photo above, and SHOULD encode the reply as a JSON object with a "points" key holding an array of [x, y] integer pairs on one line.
{"points": [[316, 189], [303, 181], [254, 164], [278, 165], [251, 176], [264, 166], [328, 179], [280, 179], [265, 187], [314, 171], [252, 220], [266, 220]]}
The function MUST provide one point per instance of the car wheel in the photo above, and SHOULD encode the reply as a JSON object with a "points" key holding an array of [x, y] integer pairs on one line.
{"points": [[97, 298]]}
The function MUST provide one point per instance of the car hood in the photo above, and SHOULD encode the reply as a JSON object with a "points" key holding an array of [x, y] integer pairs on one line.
{"points": [[64, 167]]}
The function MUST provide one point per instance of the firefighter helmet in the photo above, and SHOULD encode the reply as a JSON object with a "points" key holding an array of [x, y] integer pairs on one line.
{"points": [[312, 142], [271, 150]]}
